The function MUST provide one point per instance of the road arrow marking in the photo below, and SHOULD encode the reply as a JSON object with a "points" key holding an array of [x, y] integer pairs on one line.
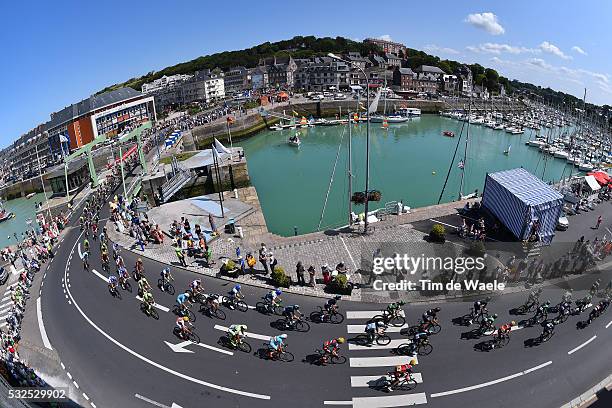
{"points": [[160, 307], [248, 335], [99, 275], [157, 404], [180, 347]]}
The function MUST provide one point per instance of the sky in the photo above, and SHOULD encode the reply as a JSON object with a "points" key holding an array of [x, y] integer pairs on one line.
{"points": [[57, 53]]}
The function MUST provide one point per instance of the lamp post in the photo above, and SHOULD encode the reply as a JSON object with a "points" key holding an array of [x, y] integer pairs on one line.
{"points": [[367, 172]]}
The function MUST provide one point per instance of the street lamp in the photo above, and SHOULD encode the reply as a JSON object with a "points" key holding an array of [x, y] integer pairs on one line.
{"points": [[367, 174]]}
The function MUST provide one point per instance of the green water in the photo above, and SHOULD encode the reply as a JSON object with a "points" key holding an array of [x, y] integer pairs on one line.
{"points": [[292, 183], [23, 209]]}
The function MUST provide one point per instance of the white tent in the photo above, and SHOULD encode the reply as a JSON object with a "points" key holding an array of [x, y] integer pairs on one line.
{"points": [[593, 184]]}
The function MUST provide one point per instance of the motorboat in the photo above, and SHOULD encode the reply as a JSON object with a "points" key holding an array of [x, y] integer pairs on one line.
{"points": [[30, 195], [294, 141], [586, 166], [561, 154], [448, 133], [410, 112]]}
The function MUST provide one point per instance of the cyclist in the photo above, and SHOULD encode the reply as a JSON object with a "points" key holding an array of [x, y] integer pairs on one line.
{"points": [[480, 308], [504, 330], [234, 295], [112, 283], [292, 313], [567, 296], [184, 325], [549, 328], [115, 250], [196, 287], [86, 244], [276, 344], [123, 273], [105, 258], [181, 301], [166, 277], [143, 285], [331, 348], [595, 313], [212, 301], [331, 306], [395, 308], [534, 297], [400, 372], [374, 328], [429, 317], [148, 300], [543, 310], [488, 323], [236, 333], [582, 303], [273, 297], [86, 260]]}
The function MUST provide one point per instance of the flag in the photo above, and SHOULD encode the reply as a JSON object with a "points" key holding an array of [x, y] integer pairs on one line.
{"points": [[215, 153], [220, 148], [461, 164]]}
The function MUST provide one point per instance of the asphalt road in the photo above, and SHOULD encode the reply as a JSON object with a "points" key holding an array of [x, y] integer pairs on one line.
{"points": [[117, 353]]}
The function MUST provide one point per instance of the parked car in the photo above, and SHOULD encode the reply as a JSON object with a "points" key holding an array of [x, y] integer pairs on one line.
{"points": [[4, 274], [563, 222]]}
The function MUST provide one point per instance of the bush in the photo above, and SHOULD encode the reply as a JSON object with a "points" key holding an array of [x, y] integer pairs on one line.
{"points": [[477, 249], [340, 285], [229, 268], [279, 278], [437, 233]]}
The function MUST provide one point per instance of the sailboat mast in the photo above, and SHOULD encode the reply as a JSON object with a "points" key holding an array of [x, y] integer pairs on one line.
{"points": [[467, 139]]}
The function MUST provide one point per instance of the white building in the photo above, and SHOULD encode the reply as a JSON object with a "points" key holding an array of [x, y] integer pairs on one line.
{"points": [[164, 82]]}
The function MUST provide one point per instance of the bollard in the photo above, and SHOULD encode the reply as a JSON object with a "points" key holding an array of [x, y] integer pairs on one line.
{"points": [[236, 193], [240, 232], [295, 230]]}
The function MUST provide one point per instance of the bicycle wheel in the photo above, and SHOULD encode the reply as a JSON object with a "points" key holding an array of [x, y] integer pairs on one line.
{"points": [[127, 286], [194, 337], [316, 317], [261, 307], [424, 349], [338, 359], [278, 310], [546, 337], [336, 318], [218, 313], [398, 321], [302, 326], [434, 328], [407, 384], [154, 314], [383, 340], [160, 283], [286, 357], [170, 289], [244, 346], [503, 341], [241, 305], [191, 315]]}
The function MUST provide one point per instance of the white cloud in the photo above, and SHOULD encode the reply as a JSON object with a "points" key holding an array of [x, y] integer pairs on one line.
{"points": [[554, 50], [432, 48], [385, 37], [486, 21], [539, 62], [579, 50], [578, 75], [495, 48]]}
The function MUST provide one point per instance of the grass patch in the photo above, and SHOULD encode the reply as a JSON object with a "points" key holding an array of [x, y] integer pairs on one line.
{"points": [[179, 157]]}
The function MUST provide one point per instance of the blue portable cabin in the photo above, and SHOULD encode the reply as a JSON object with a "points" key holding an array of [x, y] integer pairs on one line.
{"points": [[519, 200]]}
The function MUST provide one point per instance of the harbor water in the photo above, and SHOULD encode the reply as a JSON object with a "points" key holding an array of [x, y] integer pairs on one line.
{"points": [[408, 162], [24, 209]]}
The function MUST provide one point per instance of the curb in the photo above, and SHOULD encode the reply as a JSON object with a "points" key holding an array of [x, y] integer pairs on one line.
{"points": [[590, 396]]}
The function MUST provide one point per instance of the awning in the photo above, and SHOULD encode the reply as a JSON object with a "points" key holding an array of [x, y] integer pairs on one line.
{"points": [[356, 88], [601, 176], [283, 95], [593, 184]]}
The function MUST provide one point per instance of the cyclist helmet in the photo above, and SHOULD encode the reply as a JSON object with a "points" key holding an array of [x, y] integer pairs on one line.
{"points": [[337, 297], [413, 362], [340, 340], [398, 368], [513, 323], [401, 303], [238, 287], [278, 292], [296, 307], [187, 294], [186, 319], [494, 315], [139, 260], [243, 328], [166, 270], [283, 336], [437, 309]]}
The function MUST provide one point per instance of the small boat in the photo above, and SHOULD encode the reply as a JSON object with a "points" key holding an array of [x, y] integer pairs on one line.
{"points": [[30, 195], [5, 215], [448, 133], [294, 141], [585, 166], [507, 151]]}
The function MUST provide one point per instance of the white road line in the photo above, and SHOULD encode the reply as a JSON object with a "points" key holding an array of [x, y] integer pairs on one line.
{"points": [[337, 402], [349, 253], [5, 298], [572, 351], [75, 384], [41, 326], [373, 380], [69, 375], [609, 324], [249, 334], [360, 328], [4, 310], [157, 365], [85, 396], [486, 384], [393, 344], [80, 253], [158, 306], [99, 275], [4, 317], [365, 314], [63, 366], [225, 299], [155, 403], [389, 401], [379, 361]]}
